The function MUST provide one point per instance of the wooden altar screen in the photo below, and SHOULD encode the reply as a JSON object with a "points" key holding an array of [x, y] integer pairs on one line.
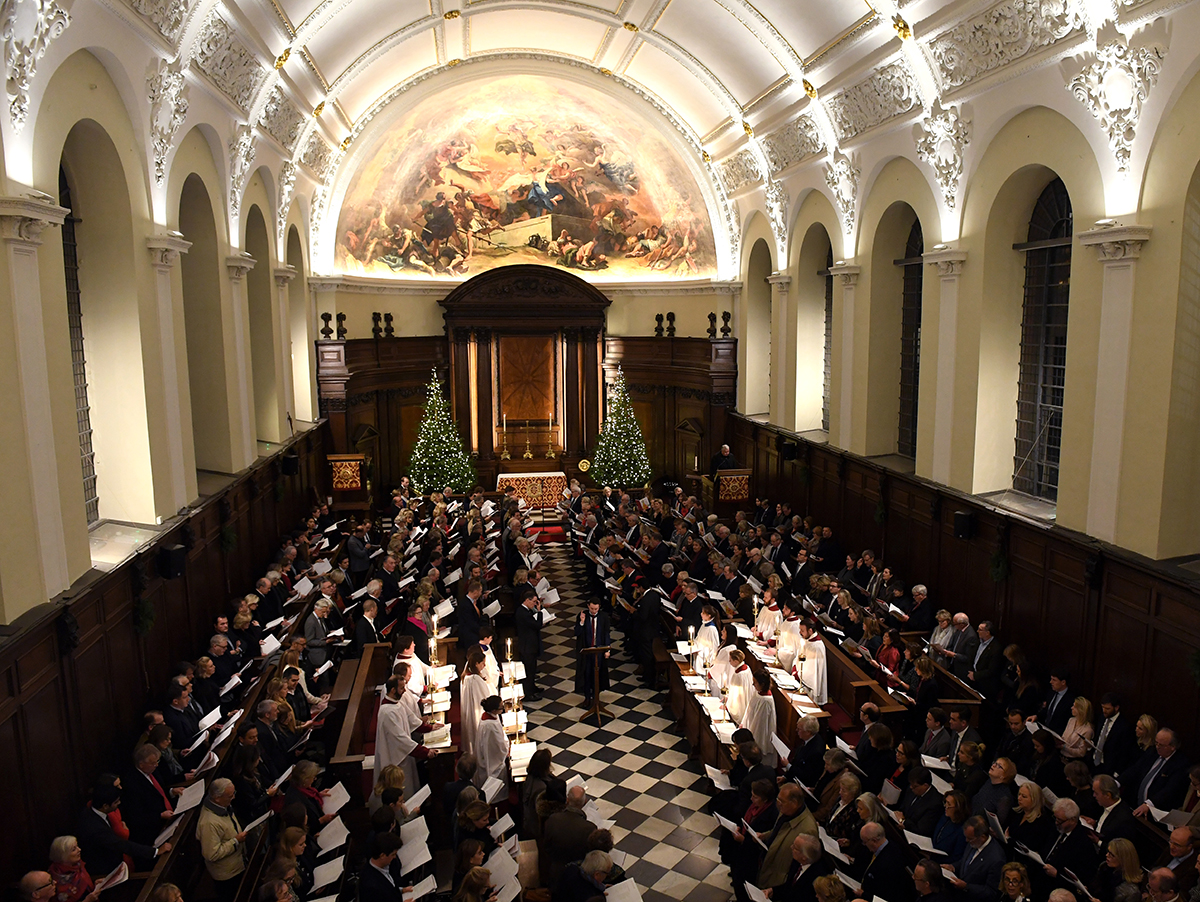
{"points": [[525, 345]]}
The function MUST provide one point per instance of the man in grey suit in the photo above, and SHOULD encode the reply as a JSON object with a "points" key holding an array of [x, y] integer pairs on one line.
{"points": [[315, 632]]}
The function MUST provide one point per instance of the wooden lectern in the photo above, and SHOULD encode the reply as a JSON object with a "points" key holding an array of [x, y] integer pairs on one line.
{"points": [[728, 493], [597, 707]]}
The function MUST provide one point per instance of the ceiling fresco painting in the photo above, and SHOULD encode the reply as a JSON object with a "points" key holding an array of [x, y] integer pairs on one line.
{"points": [[524, 169]]}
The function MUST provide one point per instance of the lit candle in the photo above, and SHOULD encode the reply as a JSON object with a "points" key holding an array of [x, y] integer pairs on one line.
{"points": [[510, 649]]}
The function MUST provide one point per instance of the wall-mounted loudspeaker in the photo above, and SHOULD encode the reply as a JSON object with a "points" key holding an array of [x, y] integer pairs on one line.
{"points": [[171, 561], [964, 524]]}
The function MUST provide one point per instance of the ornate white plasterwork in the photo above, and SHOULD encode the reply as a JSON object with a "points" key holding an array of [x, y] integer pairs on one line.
{"points": [[27, 27], [281, 119], [1114, 83], [167, 92], [241, 155], [317, 156], [287, 189], [792, 143], [233, 68], [943, 136], [777, 212], [167, 16], [889, 92], [1001, 35], [842, 177], [740, 170]]}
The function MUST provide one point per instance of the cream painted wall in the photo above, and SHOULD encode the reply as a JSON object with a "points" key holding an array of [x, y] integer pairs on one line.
{"points": [[754, 379], [302, 325]]}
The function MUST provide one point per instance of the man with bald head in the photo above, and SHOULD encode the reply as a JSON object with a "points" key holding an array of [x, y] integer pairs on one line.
{"points": [[1180, 857], [885, 876], [958, 654], [37, 886], [565, 836]]}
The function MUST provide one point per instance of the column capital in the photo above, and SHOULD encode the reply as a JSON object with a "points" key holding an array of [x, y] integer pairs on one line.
{"points": [[165, 249], [779, 280], [22, 219], [1115, 242], [285, 274], [238, 265], [948, 260], [848, 272]]}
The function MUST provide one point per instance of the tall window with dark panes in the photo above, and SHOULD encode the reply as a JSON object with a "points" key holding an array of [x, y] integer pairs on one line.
{"points": [[83, 420], [910, 341], [1043, 344]]}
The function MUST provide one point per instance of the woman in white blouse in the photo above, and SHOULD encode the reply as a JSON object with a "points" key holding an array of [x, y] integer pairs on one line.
{"points": [[944, 629], [1079, 731]]}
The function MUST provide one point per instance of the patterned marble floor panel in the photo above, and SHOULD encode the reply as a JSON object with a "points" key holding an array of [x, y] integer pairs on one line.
{"points": [[635, 766]]}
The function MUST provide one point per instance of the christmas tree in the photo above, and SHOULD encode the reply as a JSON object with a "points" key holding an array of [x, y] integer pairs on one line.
{"points": [[438, 459], [620, 457]]}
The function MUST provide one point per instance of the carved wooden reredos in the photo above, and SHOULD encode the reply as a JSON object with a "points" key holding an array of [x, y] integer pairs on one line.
{"points": [[527, 343]]}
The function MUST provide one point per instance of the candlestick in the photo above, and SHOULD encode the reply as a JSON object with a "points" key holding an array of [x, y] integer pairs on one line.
{"points": [[528, 455], [504, 455]]}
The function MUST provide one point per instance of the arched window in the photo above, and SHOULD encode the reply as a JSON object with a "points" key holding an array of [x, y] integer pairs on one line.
{"points": [[827, 382], [1043, 344], [83, 417], [910, 341]]}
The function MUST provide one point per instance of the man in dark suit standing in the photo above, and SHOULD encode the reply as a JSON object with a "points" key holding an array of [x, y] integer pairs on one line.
{"points": [[977, 873], [923, 805], [470, 615], [365, 632], [1116, 738], [105, 849], [938, 743], [1116, 818], [591, 631], [960, 731], [377, 881], [529, 639], [988, 663], [146, 805], [960, 648], [723, 460], [807, 760], [1158, 778], [885, 876], [808, 863], [1071, 848], [1056, 709]]}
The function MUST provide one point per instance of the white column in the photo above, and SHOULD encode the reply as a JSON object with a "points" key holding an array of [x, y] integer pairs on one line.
{"points": [[782, 377], [283, 315], [21, 223], [238, 266], [949, 263], [164, 254], [848, 275], [1117, 248]]}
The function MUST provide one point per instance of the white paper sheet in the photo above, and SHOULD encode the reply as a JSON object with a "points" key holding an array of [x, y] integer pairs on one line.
{"points": [[501, 826], [625, 891], [325, 874], [191, 797], [780, 749], [492, 609], [287, 773], [492, 789], [444, 608], [413, 855], [168, 831], [720, 780], [415, 830], [424, 888], [338, 796], [502, 866], [332, 835], [418, 798]]}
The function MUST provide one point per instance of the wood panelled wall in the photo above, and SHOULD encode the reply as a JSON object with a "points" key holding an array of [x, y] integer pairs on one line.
{"points": [[1120, 622], [681, 389], [372, 391], [68, 715]]}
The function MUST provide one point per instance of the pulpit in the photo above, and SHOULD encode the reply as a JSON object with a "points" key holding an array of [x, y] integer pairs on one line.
{"points": [[727, 493]]}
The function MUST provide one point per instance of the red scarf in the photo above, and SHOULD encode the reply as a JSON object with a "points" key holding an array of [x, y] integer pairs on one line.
{"points": [[71, 882], [419, 622], [742, 668], [313, 794]]}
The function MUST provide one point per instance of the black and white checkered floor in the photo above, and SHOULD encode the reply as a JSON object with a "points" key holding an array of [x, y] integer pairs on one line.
{"points": [[636, 767]]}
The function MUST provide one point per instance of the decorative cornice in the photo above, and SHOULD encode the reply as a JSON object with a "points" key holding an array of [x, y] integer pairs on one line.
{"points": [[1116, 242], [167, 16], [780, 279], [233, 68], [889, 92], [165, 250], [22, 219], [241, 155], [423, 288], [239, 265], [1005, 33], [285, 274], [740, 171], [949, 261], [796, 141]]}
